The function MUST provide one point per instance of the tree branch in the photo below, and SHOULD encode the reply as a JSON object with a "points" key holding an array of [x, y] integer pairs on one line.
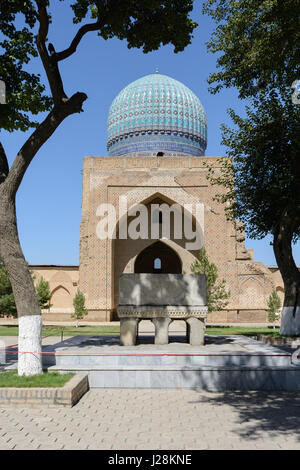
{"points": [[43, 20], [38, 138], [49, 61], [4, 168], [114, 5], [79, 35]]}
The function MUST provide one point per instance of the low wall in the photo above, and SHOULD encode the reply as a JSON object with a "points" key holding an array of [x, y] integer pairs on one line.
{"points": [[238, 316], [68, 395]]}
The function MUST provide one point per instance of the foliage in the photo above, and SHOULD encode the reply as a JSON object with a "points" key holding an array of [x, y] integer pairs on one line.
{"points": [[274, 305], [79, 306], [24, 92], [257, 43], [43, 293], [262, 176], [143, 23], [7, 301], [146, 24], [216, 294], [259, 46]]}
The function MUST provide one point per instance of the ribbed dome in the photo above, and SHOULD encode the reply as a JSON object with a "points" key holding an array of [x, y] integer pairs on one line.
{"points": [[156, 114]]}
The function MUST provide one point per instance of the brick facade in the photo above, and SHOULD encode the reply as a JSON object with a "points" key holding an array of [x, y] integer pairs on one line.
{"points": [[148, 180], [180, 180]]}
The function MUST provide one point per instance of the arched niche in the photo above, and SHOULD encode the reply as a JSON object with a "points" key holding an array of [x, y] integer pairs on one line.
{"points": [[124, 252], [158, 258], [61, 298]]}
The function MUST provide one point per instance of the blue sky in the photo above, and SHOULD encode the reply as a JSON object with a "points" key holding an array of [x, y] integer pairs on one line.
{"points": [[49, 200]]}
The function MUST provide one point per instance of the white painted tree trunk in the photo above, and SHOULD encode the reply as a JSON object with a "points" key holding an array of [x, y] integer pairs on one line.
{"points": [[30, 342], [290, 324]]}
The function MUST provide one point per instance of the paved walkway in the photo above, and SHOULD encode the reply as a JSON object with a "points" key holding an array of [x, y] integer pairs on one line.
{"points": [[158, 419]]}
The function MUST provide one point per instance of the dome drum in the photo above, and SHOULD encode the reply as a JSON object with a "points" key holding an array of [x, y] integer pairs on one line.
{"points": [[153, 143]]}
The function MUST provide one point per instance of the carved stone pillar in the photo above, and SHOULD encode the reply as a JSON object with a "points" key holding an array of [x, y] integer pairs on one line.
{"points": [[161, 330], [128, 331], [195, 328]]}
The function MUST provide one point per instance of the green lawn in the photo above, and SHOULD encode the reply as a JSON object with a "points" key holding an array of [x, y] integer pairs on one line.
{"points": [[115, 330], [48, 379], [66, 330], [242, 330], [8, 331]]}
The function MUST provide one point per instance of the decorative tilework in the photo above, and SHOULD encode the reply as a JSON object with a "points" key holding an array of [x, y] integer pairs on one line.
{"points": [[156, 113]]}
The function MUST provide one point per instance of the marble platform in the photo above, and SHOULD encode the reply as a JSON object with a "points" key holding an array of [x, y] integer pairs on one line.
{"points": [[224, 363]]}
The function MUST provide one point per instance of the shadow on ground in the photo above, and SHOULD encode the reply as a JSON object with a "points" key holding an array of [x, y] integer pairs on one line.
{"points": [[8, 358], [261, 411], [113, 340]]}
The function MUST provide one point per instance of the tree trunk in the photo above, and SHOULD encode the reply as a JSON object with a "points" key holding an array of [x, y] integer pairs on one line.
{"points": [[29, 312], [290, 316]]}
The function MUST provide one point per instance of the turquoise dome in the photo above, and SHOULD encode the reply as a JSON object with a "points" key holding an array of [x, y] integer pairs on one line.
{"points": [[156, 114]]}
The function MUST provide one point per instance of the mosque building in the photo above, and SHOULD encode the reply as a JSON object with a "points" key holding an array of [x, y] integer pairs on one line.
{"points": [[156, 167]]}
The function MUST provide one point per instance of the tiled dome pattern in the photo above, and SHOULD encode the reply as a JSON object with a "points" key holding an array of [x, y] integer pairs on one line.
{"points": [[156, 113]]}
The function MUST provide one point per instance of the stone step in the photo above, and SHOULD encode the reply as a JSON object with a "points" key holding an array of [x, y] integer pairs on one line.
{"points": [[70, 368], [218, 352], [206, 378], [91, 360]]}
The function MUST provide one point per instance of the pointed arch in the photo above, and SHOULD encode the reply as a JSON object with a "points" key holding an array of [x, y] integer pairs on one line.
{"points": [[61, 297], [252, 292], [147, 260], [175, 195], [124, 251]]}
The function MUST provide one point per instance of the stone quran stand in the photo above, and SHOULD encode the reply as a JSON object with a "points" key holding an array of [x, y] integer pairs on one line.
{"points": [[162, 298]]}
